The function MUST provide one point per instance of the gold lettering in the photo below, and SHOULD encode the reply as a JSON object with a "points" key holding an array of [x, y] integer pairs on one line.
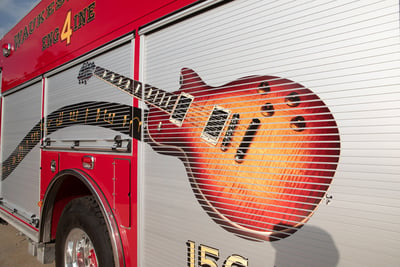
{"points": [[59, 121], [35, 136], [138, 122], [208, 256], [98, 114], [235, 260], [124, 122], [48, 125], [110, 118], [73, 115], [191, 253], [20, 154], [86, 116]]}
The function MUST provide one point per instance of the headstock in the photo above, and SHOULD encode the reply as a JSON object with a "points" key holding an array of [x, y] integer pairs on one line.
{"points": [[86, 72]]}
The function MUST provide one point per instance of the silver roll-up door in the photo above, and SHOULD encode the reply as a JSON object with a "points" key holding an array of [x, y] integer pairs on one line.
{"points": [[20, 150], [281, 125], [84, 109]]}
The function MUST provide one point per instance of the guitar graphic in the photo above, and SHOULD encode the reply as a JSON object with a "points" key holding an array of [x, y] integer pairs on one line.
{"points": [[260, 152]]}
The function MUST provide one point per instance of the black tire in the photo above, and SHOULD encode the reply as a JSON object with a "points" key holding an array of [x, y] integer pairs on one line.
{"points": [[84, 215]]}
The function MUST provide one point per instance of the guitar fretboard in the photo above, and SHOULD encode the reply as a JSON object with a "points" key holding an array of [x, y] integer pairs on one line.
{"points": [[150, 94]]}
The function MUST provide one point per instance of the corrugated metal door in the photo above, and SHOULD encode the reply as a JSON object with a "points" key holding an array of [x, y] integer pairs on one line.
{"points": [[20, 150], [79, 100], [282, 127]]}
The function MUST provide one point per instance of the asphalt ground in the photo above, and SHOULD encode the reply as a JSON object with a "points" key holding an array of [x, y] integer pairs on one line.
{"points": [[14, 249]]}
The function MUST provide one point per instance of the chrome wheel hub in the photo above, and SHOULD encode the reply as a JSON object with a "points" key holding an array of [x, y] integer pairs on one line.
{"points": [[79, 250]]}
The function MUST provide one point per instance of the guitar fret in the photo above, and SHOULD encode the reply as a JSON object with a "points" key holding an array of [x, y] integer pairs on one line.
{"points": [[115, 80], [137, 89], [108, 75], [158, 97], [155, 97], [161, 100], [151, 95], [128, 83], [167, 102], [123, 83]]}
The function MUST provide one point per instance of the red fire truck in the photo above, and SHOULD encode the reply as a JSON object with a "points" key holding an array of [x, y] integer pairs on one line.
{"points": [[203, 133]]}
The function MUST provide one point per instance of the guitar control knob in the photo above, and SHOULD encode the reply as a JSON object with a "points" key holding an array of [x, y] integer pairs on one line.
{"points": [[298, 123], [263, 88], [292, 100], [267, 110]]}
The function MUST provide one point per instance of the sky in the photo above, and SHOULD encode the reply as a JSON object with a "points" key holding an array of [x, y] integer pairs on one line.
{"points": [[12, 11]]}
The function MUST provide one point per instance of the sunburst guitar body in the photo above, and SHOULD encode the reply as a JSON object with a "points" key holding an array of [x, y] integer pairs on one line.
{"points": [[260, 152]]}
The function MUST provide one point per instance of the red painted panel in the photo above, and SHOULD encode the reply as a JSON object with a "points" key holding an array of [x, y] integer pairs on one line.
{"points": [[103, 174], [122, 191], [45, 172], [58, 31]]}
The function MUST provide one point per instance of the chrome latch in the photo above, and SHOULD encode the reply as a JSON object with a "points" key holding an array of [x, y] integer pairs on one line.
{"points": [[117, 142]]}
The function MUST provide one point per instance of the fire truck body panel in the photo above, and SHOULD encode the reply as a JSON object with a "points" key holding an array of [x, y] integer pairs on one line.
{"points": [[86, 18], [320, 57], [205, 133]]}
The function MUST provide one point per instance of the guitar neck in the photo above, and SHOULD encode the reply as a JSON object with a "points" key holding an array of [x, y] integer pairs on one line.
{"points": [[151, 95]]}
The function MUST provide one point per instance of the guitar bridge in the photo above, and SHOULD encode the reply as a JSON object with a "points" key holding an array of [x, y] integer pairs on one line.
{"points": [[215, 124]]}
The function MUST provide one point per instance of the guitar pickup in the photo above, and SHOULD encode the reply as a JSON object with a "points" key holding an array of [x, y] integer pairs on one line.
{"points": [[229, 132], [247, 139], [215, 124], [181, 108]]}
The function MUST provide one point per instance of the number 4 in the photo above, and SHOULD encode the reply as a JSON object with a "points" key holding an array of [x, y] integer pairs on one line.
{"points": [[67, 30]]}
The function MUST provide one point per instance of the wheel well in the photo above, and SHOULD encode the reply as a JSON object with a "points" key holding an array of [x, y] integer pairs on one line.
{"points": [[60, 193], [66, 186]]}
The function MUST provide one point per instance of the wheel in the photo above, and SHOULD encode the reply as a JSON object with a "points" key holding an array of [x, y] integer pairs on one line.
{"points": [[82, 237]]}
